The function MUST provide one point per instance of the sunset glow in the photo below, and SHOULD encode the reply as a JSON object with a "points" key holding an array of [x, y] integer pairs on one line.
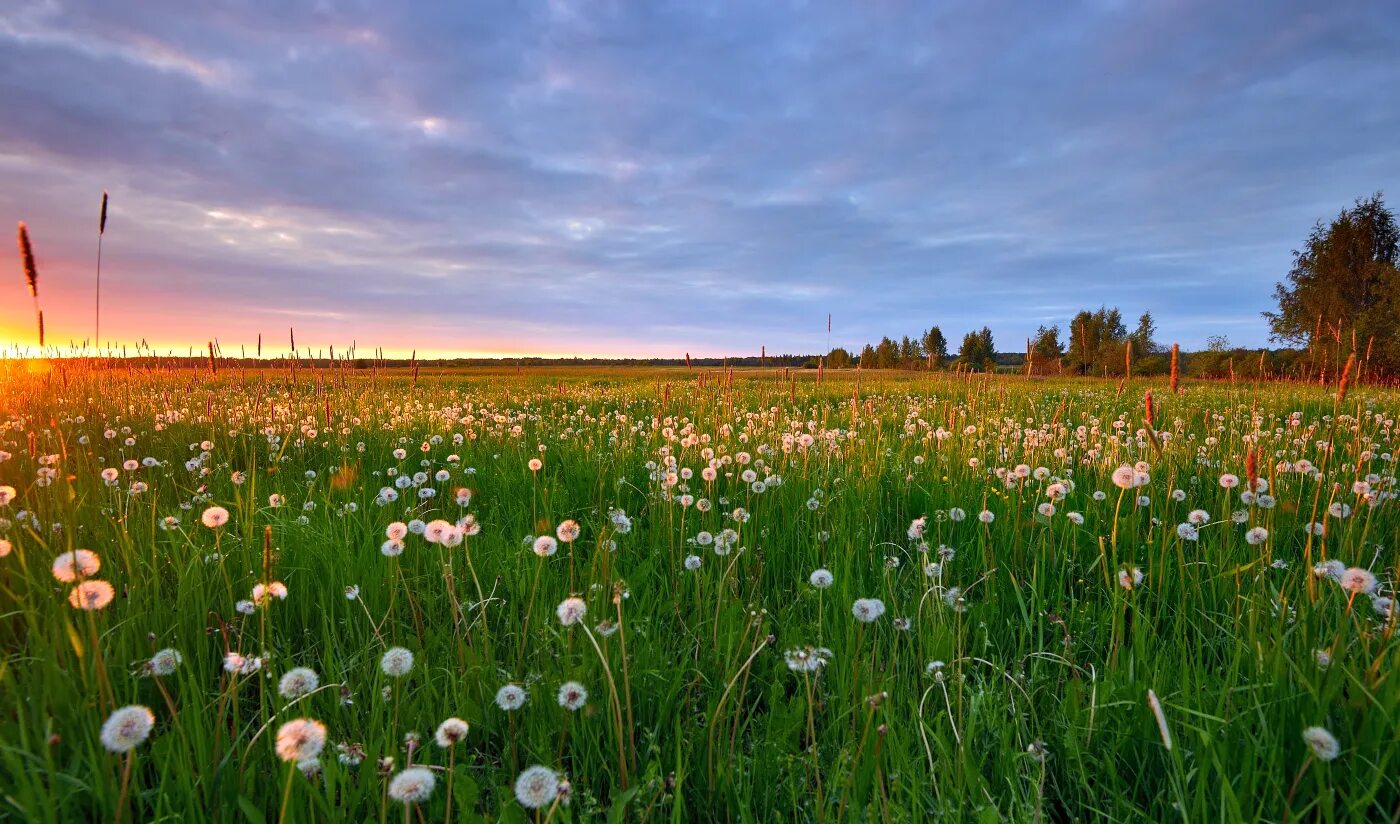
{"points": [[577, 180]]}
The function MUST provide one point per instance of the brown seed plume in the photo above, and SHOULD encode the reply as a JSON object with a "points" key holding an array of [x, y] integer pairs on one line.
{"points": [[1345, 382], [1176, 367], [26, 255]]}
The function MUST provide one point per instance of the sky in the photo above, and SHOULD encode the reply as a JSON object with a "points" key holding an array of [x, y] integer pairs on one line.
{"points": [[655, 178]]}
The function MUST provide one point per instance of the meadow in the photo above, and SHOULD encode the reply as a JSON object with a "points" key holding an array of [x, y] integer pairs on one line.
{"points": [[693, 595]]}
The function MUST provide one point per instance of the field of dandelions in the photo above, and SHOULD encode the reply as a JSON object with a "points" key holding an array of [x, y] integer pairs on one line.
{"points": [[671, 596]]}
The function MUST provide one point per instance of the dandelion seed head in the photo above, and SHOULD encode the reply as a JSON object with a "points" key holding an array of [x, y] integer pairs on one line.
{"points": [[413, 785], [1324, 745], [537, 787], [300, 739], [127, 728], [396, 662]]}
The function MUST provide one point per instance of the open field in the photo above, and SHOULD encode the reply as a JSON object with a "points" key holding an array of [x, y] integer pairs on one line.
{"points": [[714, 597]]}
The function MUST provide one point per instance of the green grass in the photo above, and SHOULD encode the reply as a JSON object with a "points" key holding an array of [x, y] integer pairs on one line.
{"points": [[1038, 711]]}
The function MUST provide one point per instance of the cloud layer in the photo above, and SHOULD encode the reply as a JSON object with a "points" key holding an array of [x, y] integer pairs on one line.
{"points": [[653, 178]]}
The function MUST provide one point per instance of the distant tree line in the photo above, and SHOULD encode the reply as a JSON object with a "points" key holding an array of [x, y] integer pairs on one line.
{"points": [[1341, 300]]}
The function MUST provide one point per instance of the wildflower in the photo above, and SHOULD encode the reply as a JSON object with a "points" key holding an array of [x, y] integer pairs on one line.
{"points": [[239, 665], [1075, 518], [545, 546], [127, 728], [1357, 580], [1037, 750], [571, 610], [80, 563], [535, 464], [568, 531], [1256, 536], [1228, 481], [916, 529], [807, 659], [1123, 477], [450, 732], [298, 682], [214, 517], [1329, 569], [413, 785], [692, 562], [351, 755], [352, 592], [1187, 532], [1129, 578], [396, 662], [510, 698], [986, 516], [391, 548], [164, 662], [1323, 744], [435, 530], [264, 593], [91, 595], [537, 787], [821, 578], [868, 609], [572, 696], [300, 739], [1198, 516]]}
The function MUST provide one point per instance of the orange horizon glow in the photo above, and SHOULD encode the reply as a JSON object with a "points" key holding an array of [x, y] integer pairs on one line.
{"points": [[20, 342]]}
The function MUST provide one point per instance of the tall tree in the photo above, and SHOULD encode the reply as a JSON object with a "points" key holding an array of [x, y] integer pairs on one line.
{"points": [[838, 358], [867, 358], [1046, 349], [910, 353], [886, 354], [1344, 285], [1144, 336], [1096, 341], [978, 351], [936, 346]]}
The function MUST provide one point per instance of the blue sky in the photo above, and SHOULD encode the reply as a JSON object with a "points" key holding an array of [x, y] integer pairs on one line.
{"points": [[655, 178]]}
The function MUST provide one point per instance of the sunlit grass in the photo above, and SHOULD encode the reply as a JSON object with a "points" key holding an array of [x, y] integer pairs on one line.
{"points": [[1008, 676]]}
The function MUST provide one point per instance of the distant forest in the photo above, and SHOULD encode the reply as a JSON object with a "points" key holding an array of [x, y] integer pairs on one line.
{"points": [[1096, 343]]}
